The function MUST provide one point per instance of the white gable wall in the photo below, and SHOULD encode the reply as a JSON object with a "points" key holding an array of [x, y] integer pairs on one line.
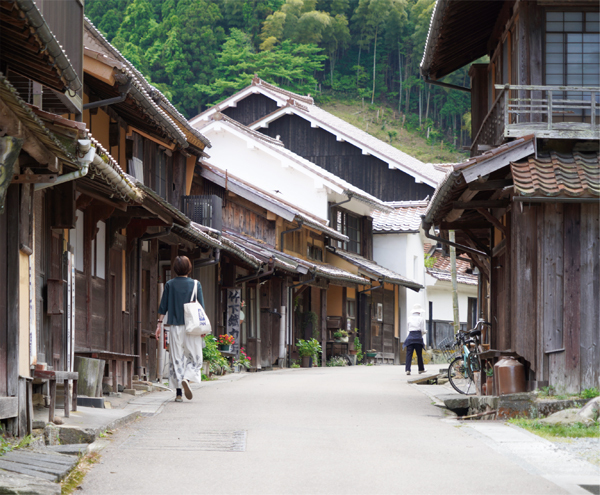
{"points": [[267, 170]]}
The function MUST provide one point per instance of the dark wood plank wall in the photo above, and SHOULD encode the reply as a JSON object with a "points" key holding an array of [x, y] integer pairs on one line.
{"points": [[346, 160], [251, 108], [241, 219], [3, 306], [388, 324], [265, 298], [590, 290], [522, 312], [572, 294], [554, 309]]}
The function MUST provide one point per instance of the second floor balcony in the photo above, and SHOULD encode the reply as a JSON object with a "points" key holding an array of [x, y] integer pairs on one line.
{"points": [[552, 112]]}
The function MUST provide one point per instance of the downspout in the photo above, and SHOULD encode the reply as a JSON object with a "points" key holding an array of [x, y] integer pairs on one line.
{"points": [[123, 92], [84, 146], [300, 223], [290, 312], [138, 344]]}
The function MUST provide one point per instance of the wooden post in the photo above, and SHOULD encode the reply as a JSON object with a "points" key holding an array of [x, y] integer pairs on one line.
{"points": [[52, 387], [549, 94], [66, 397], [454, 283]]}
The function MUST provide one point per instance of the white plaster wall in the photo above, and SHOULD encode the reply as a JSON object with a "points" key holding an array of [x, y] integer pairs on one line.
{"points": [[266, 170], [403, 254], [441, 296]]}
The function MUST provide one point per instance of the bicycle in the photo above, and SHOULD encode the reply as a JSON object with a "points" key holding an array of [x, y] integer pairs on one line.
{"points": [[462, 368]]}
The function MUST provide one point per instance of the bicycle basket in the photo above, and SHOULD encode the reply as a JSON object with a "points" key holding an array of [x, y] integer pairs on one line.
{"points": [[448, 348]]}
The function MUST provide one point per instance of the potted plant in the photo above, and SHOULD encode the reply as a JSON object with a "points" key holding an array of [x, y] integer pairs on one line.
{"points": [[225, 342], [308, 349], [243, 360], [371, 353], [489, 380], [357, 349], [341, 336]]}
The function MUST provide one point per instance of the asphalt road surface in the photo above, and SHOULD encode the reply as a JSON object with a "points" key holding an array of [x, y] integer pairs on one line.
{"points": [[347, 430]]}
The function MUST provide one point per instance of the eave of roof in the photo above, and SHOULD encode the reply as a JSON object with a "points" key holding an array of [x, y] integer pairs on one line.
{"points": [[33, 123], [458, 34], [404, 218], [49, 47], [266, 200], [375, 271], [161, 202], [141, 90]]}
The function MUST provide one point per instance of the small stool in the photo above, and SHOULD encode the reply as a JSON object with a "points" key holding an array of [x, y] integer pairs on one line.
{"points": [[61, 376]]}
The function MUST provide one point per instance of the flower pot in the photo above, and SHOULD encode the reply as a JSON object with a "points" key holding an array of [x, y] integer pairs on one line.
{"points": [[370, 354], [353, 353], [489, 381], [224, 348], [305, 361], [342, 339]]}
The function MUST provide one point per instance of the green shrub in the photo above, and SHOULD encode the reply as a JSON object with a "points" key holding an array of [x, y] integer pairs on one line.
{"points": [[590, 393]]}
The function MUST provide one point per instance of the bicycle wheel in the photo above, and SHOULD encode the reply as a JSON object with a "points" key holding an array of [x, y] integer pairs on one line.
{"points": [[459, 377]]}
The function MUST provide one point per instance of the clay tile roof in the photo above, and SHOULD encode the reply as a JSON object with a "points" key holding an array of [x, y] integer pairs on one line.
{"points": [[441, 270], [572, 175], [405, 217]]}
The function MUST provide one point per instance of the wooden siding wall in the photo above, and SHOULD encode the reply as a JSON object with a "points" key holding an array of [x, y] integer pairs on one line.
{"points": [[554, 309], [3, 306], [346, 160], [251, 108], [241, 219]]}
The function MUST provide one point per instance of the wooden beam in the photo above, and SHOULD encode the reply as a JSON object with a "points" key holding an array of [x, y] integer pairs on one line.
{"points": [[474, 205], [464, 224], [475, 240], [490, 185], [120, 205], [33, 178], [492, 219], [465, 197]]}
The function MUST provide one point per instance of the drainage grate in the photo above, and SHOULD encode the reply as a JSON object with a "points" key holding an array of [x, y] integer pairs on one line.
{"points": [[595, 489], [222, 441]]}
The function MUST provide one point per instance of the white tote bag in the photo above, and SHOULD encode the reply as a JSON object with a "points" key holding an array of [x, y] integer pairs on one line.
{"points": [[196, 321]]}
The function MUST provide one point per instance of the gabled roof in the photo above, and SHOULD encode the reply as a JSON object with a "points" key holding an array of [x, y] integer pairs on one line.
{"points": [[304, 107], [405, 217], [152, 101], [333, 181], [458, 34], [373, 270], [268, 201]]}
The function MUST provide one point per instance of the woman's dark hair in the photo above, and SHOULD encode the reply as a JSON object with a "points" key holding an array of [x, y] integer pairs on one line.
{"points": [[182, 266]]}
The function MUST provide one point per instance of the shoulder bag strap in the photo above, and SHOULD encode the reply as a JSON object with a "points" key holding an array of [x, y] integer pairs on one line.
{"points": [[194, 295]]}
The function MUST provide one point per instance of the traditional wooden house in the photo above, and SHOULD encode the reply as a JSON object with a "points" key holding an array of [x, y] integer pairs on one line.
{"points": [[323, 199], [526, 205], [334, 145]]}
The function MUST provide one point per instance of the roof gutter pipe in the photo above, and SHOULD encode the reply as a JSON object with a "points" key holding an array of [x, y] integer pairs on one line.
{"points": [[123, 92], [290, 312], [216, 257], [446, 85], [427, 227], [90, 156], [259, 274], [138, 336], [300, 223]]}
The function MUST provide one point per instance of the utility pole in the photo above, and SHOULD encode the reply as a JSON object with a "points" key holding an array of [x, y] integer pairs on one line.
{"points": [[454, 283]]}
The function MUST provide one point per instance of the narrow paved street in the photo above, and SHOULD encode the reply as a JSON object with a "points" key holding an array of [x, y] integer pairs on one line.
{"points": [[329, 430]]}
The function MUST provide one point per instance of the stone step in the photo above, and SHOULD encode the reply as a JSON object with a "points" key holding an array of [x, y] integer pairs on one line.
{"points": [[47, 466]]}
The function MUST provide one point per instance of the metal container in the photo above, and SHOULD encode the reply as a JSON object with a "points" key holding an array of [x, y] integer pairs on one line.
{"points": [[510, 376]]}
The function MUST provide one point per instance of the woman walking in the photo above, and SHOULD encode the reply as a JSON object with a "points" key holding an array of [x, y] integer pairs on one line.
{"points": [[185, 351], [414, 340]]}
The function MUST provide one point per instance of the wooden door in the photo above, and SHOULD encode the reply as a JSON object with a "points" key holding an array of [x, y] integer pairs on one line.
{"points": [[55, 335], [116, 300], [388, 324], [266, 325]]}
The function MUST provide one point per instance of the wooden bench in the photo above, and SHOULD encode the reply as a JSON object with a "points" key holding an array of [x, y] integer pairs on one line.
{"points": [[61, 376]]}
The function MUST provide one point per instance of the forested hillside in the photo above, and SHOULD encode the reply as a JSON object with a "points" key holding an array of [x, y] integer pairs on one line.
{"points": [[198, 52]]}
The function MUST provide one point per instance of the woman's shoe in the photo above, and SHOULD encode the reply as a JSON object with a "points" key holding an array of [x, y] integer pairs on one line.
{"points": [[408, 372], [179, 398], [187, 390], [421, 372]]}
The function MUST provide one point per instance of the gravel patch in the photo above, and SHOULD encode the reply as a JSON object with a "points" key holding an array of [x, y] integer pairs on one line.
{"points": [[587, 448]]}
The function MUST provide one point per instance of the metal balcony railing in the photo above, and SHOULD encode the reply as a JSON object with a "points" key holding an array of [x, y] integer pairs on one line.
{"points": [[556, 112], [205, 210]]}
